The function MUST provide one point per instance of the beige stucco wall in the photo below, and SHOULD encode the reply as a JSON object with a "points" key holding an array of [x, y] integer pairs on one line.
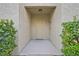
{"points": [[56, 27], [10, 11], [70, 10], [24, 27], [40, 26]]}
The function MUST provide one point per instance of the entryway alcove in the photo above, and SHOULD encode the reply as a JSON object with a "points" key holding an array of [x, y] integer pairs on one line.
{"points": [[40, 21], [40, 31]]}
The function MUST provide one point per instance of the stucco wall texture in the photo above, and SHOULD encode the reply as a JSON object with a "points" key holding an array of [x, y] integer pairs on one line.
{"points": [[24, 27], [21, 18]]}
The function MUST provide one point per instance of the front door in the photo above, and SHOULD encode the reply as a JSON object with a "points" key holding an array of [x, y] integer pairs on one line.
{"points": [[40, 27]]}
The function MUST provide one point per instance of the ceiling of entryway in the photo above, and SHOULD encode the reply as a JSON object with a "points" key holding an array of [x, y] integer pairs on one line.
{"points": [[40, 9]]}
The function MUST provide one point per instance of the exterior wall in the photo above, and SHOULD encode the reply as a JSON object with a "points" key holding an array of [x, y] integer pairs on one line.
{"points": [[40, 26], [24, 27], [70, 10], [56, 27], [10, 11]]}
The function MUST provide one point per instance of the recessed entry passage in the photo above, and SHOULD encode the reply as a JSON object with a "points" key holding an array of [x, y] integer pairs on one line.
{"points": [[40, 21]]}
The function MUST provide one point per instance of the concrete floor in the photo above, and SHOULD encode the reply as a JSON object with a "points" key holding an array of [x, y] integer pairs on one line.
{"points": [[40, 48]]}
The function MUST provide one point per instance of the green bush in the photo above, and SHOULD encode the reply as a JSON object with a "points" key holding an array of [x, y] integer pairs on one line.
{"points": [[70, 37], [72, 50], [7, 37]]}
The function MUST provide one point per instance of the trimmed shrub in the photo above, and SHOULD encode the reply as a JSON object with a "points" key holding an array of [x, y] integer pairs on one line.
{"points": [[7, 37], [70, 37]]}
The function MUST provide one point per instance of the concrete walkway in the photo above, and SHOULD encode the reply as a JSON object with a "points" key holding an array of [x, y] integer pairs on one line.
{"points": [[39, 48]]}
